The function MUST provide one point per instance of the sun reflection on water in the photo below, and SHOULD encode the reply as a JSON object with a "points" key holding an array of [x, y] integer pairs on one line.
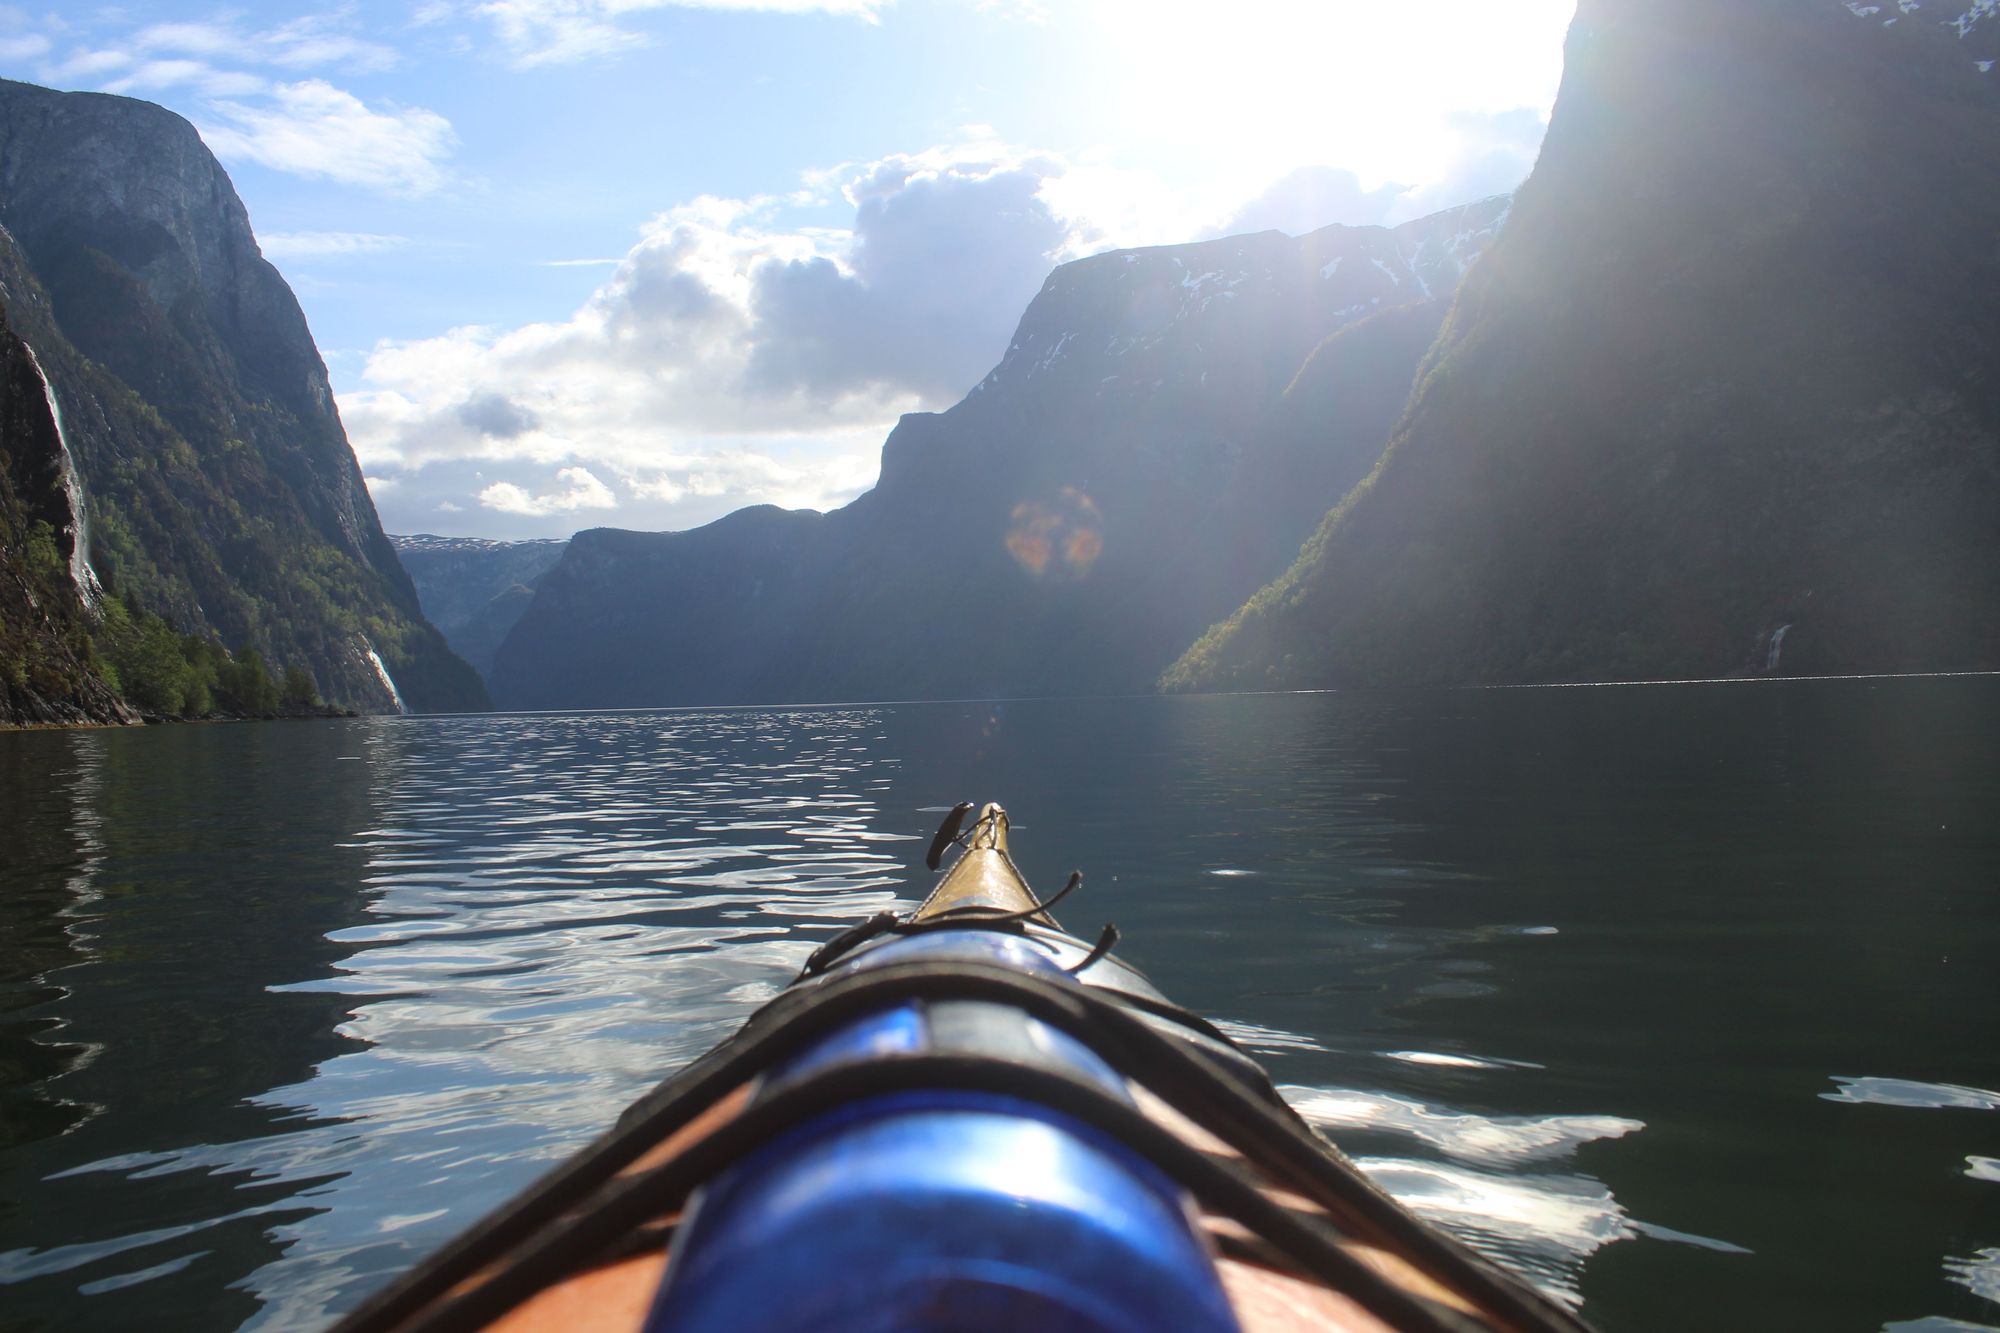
{"points": [[1542, 1222]]}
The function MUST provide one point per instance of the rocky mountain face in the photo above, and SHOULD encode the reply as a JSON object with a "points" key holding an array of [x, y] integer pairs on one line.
{"points": [[474, 589], [1723, 400], [47, 676], [1165, 428], [219, 489]]}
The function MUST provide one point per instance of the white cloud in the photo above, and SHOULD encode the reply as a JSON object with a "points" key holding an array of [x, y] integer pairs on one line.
{"points": [[732, 359], [310, 42], [85, 64], [326, 244], [25, 47], [1490, 153], [199, 39], [556, 32], [313, 42], [308, 127], [198, 75], [947, 248], [1313, 197], [581, 490], [1485, 154], [548, 32], [728, 359], [215, 58], [312, 128]]}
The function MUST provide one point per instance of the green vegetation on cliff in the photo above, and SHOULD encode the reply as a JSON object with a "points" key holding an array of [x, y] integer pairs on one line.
{"points": [[220, 492], [49, 671], [63, 662], [167, 674]]}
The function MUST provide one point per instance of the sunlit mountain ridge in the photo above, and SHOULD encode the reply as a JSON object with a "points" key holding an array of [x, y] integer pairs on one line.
{"points": [[1165, 427]]}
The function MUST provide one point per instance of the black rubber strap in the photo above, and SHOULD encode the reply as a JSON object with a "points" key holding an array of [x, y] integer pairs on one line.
{"points": [[796, 1018], [1221, 1186], [882, 923], [1258, 1125], [1106, 942], [955, 918], [1255, 1122]]}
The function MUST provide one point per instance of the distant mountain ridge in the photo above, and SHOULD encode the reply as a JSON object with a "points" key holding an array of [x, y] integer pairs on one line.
{"points": [[1173, 292], [219, 487], [1723, 400], [1135, 464], [475, 588]]}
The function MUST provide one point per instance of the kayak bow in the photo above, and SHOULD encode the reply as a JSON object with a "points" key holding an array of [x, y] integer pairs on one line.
{"points": [[963, 1119]]}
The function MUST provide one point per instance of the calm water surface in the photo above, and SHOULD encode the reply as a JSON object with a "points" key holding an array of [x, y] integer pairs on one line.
{"points": [[1684, 1001]]}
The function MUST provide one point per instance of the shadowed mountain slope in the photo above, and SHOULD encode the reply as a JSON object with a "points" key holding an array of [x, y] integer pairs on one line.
{"points": [[1724, 399], [474, 589], [1161, 434]]}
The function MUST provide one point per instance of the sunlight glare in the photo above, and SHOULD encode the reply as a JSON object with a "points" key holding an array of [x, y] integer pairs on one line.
{"points": [[1265, 86]]}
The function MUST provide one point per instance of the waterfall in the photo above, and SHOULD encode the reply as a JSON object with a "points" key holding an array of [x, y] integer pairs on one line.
{"points": [[1777, 647], [382, 674], [80, 572]]}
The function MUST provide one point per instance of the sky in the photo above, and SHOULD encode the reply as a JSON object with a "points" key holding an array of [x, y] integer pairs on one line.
{"points": [[637, 263]]}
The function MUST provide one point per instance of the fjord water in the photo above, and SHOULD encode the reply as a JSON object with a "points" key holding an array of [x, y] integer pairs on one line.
{"points": [[1682, 1000]]}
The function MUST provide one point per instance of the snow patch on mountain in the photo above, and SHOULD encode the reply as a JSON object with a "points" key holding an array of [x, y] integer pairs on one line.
{"points": [[1978, 19], [1981, 11], [427, 542]]}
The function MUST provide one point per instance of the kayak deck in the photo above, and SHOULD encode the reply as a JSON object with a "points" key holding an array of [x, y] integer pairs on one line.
{"points": [[1299, 1239], [984, 875]]}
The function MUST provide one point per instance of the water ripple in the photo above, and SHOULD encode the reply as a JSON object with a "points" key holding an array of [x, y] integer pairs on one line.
{"points": [[1912, 1093], [283, 1024], [559, 910], [1498, 1188]]}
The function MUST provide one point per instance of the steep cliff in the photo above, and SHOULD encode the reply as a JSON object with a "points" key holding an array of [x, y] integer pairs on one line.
{"points": [[48, 672], [1724, 399], [219, 487], [1163, 431]]}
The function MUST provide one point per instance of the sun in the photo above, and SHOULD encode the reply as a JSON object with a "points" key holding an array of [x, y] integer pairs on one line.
{"points": [[1256, 88]]}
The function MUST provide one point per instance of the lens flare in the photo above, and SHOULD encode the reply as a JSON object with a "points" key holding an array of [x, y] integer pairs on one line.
{"points": [[1058, 539]]}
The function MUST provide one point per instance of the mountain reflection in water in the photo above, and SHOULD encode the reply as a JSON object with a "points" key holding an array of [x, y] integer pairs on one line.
{"points": [[1638, 991]]}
